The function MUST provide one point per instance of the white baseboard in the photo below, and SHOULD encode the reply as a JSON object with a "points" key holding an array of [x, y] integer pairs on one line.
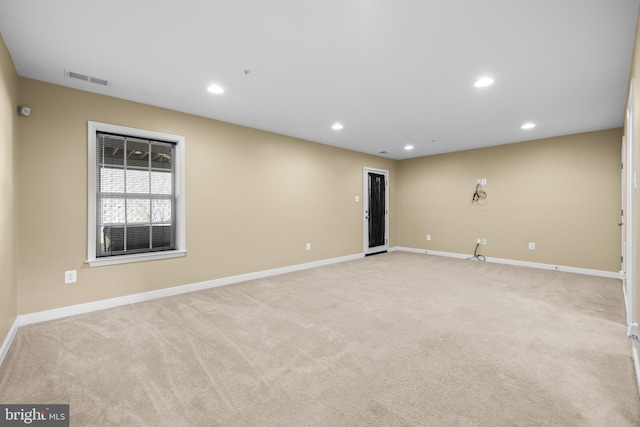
{"points": [[636, 363], [563, 268], [57, 313], [9, 340]]}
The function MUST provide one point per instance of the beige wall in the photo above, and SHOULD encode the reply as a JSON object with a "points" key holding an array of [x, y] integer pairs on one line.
{"points": [[253, 199], [561, 193], [8, 187]]}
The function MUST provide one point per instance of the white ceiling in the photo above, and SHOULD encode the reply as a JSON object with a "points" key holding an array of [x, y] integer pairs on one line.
{"points": [[393, 72]]}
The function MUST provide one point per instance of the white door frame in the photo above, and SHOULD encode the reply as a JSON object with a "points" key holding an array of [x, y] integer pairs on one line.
{"points": [[623, 208], [629, 188], [365, 210]]}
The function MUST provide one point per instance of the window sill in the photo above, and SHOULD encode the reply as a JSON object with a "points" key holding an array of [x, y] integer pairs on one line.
{"points": [[125, 259]]}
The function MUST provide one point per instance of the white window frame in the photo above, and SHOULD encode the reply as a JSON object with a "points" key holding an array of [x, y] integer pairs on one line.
{"points": [[92, 260]]}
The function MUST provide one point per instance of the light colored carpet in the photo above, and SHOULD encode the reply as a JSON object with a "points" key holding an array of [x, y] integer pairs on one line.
{"points": [[397, 339]]}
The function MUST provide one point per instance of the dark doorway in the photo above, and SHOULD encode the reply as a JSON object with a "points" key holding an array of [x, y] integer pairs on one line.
{"points": [[377, 210]]}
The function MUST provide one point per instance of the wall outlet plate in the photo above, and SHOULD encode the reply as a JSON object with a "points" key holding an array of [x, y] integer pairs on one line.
{"points": [[70, 276], [532, 246], [633, 331], [428, 236]]}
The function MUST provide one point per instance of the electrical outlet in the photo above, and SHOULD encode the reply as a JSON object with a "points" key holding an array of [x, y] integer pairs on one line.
{"points": [[633, 331], [478, 241], [357, 199], [532, 246], [483, 181], [484, 242], [478, 181], [428, 236], [308, 246], [70, 276]]}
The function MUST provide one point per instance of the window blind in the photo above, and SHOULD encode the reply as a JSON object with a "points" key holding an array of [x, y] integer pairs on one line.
{"points": [[135, 197]]}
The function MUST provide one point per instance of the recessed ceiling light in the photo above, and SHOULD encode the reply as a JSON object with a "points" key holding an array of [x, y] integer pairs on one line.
{"points": [[215, 89], [337, 126], [483, 82], [408, 147], [528, 126]]}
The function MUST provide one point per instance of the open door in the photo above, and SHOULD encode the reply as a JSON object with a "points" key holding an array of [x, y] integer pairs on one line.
{"points": [[376, 211], [627, 224]]}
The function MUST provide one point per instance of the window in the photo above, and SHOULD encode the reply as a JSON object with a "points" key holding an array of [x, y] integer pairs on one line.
{"points": [[136, 195]]}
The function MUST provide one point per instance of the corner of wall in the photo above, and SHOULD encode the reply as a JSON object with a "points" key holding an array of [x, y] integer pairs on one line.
{"points": [[8, 186]]}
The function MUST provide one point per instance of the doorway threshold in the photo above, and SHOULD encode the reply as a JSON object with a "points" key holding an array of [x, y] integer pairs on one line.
{"points": [[376, 253]]}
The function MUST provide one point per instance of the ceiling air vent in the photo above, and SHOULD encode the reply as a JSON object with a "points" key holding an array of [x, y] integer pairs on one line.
{"points": [[98, 81], [84, 77]]}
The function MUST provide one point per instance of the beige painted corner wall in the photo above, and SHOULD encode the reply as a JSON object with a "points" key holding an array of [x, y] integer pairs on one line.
{"points": [[253, 199], [561, 193], [8, 187]]}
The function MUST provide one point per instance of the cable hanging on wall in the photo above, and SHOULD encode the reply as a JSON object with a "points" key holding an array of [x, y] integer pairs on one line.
{"points": [[476, 255], [478, 195]]}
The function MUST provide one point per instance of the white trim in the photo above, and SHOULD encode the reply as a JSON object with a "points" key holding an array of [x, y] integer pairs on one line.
{"points": [[563, 268], [623, 228], [629, 220], [9, 339], [180, 174], [125, 259], [57, 313], [636, 363]]}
